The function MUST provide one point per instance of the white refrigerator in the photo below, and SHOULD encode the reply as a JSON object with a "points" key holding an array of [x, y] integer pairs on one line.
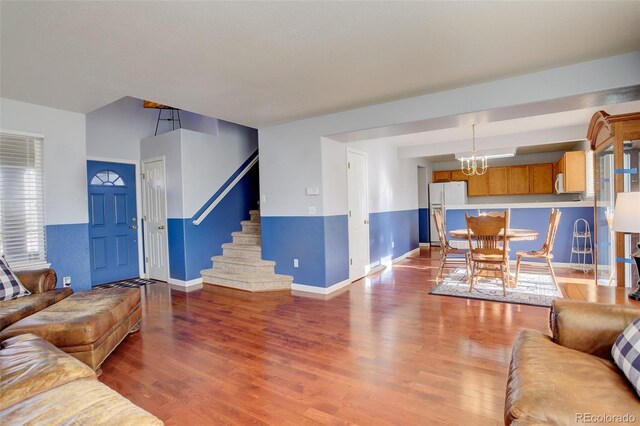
{"points": [[442, 195]]}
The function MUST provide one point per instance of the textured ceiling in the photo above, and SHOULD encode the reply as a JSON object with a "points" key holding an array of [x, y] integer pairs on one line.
{"points": [[269, 62]]}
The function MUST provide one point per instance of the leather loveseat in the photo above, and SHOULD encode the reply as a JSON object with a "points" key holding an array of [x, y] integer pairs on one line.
{"points": [[42, 285], [40, 384], [569, 377]]}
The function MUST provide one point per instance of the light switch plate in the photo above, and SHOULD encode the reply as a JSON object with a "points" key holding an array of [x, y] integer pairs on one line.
{"points": [[313, 190]]}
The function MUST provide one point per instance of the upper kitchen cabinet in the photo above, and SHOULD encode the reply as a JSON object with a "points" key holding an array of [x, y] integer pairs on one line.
{"points": [[497, 181], [518, 180], [571, 172], [478, 185], [442, 176], [541, 178], [458, 176]]}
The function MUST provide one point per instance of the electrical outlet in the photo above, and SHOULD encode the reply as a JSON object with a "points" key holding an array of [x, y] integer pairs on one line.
{"points": [[312, 210], [295, 263], [66, 281], [393, 244]]}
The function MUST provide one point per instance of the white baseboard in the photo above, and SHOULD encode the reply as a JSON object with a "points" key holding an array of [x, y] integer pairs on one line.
{"points": [[186, 286], [407, 254], [320, 290], [425, 244]]}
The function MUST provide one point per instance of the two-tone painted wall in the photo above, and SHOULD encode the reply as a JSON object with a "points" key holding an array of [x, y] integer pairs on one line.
{"points": [[320, 241], [65, 184], [199, 167], [302, 154]]}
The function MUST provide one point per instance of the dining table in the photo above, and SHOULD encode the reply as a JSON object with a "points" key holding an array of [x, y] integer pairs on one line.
{"points": [[513, 234]]}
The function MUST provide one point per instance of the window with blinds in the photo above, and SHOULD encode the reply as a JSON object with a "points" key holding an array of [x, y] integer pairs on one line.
{"points": [[22, 232]]}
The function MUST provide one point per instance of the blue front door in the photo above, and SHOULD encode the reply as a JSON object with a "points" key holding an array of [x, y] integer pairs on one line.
{"points": [[113, 235]]}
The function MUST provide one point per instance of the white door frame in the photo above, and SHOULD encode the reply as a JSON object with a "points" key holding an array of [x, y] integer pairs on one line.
{"points": [[136, 163], [366, 192], [164, 166]]}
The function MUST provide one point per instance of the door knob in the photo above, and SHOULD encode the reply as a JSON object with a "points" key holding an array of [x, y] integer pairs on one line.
{"points": [[366, 222], [161, 227], [134, 226]]}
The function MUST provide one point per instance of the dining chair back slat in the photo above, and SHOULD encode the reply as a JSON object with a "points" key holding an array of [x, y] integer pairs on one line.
{"points": [[488, 245]]}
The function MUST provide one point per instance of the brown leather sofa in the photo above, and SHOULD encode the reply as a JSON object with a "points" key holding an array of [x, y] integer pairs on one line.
{"points": [[40, 384], [88, 325], [42, 285], [569, 377]]}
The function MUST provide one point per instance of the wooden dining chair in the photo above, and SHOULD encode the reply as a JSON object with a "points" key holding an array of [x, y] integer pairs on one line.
{"points": [[547, 247], [488, 247], [447, 250]]}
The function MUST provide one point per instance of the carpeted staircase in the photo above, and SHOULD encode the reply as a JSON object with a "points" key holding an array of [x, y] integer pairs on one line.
{"points": [[241, 265]]}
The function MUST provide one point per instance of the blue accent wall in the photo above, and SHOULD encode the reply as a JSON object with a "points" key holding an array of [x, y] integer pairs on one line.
{"points": [[285, 238], [399, 227], [321, 243], [336, 248], [191, 247], [68, 253], [536, 219], [423, 225]]}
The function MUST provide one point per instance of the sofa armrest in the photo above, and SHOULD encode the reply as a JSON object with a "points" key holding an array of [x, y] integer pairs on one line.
{"points": [[589, 327], [38, 281]]}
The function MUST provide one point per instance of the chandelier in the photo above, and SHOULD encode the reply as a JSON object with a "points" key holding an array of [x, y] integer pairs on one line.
{"points": [[474, 165]]}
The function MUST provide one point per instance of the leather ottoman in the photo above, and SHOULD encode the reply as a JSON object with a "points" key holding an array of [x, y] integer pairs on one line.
{"points": [[87, 325]]}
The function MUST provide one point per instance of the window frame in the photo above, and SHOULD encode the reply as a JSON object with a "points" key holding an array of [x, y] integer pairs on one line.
{"points": [[41, 263]]}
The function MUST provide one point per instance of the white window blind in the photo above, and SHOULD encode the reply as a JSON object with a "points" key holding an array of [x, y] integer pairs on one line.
{"points": [[22, 232], [590, 192]]}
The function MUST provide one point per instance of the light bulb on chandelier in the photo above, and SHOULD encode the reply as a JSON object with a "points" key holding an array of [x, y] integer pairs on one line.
{"points": [[474, 165]]}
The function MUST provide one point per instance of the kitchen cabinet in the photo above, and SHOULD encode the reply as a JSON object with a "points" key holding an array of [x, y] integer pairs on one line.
{"points": [[442, 176], [573, 167], [497, 181], [541, 178], [518, 180], [478, 185], [458, 176]]}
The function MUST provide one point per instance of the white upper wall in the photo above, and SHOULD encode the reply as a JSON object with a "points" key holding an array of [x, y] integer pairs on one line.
{"points": [[115, 130], [65, 167], [198, 164], [209, 161], [292, 154]]}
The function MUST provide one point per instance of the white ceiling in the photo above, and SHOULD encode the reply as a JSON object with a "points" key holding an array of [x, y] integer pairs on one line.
{"points": [[261, 63]]}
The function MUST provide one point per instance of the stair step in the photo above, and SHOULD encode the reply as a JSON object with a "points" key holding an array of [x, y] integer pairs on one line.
{"points": [[244, 238], [248, 282], [255, 216], [250, 227], [243, 265], [246, 251]]}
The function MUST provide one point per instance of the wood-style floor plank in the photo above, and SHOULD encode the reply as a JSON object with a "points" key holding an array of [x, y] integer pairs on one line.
{"points": [[382, 352]]}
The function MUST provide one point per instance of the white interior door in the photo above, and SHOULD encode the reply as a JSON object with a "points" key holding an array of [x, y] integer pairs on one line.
{"points": [[155, 219], [358, 214]]}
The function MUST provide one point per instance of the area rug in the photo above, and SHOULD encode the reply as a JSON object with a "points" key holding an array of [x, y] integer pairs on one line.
{"points": [[532, 289], [133, 282]]}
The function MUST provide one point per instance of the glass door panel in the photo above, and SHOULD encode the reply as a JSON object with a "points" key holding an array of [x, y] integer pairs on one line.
{"points": [[604, 194]]}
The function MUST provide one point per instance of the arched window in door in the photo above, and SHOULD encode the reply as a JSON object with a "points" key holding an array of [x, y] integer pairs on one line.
{"points": [[107, 178]]}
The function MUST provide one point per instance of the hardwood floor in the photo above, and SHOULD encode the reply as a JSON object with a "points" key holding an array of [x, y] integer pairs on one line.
{"points": [[382, 352]]}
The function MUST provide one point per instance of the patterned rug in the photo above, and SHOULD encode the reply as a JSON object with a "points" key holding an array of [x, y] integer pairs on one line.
{"points": [[133, 282], [533, 289]]}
